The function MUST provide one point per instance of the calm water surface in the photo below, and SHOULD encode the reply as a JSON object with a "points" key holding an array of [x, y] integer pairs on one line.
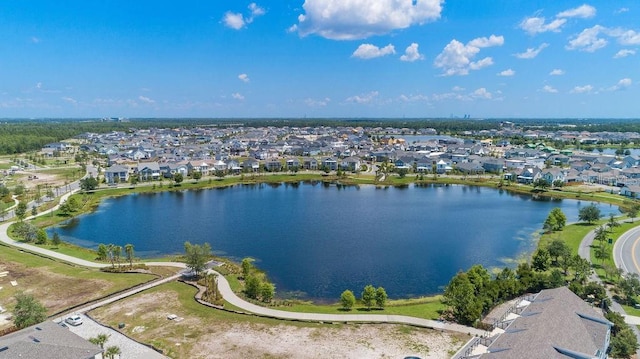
{"points": [[316, 240]]}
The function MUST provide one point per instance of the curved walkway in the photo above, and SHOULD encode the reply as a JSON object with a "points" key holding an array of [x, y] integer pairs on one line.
{"points": [[231, 297]]}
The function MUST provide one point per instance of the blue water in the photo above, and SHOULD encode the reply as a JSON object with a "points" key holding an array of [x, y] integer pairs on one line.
{"points": [[316, 240]]}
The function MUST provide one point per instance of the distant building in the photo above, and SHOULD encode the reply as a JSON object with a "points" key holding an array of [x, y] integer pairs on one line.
{"points": [[47, 340]]}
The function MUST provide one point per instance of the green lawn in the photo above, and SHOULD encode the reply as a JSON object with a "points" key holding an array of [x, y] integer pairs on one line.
{"points": [[427, 307]]}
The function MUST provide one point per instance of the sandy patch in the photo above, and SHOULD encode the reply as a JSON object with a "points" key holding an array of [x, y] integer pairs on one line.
{"points": [[223, 335], [349, 341]]}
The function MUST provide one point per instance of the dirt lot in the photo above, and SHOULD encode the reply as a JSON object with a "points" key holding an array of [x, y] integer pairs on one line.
{"points": [[56, 285], [201, 332]]}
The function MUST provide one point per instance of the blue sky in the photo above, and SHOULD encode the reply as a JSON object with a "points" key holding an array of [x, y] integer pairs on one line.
{"points": [[320, 58]]}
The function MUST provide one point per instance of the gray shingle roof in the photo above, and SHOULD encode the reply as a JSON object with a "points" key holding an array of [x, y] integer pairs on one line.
{"points": [[46, 340], [557, 322]]}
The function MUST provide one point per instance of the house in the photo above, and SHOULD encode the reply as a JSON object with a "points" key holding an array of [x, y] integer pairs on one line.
{"points": [[148, 171], [351, 163], [470, 168], [493, 165], [529, 175], [198, 166], [273, 165], [251, 165], [330, 163], [116, 174], [554, 323], [443, 166], [630, 191], [310, 164], [47, 340], [292, 163]]}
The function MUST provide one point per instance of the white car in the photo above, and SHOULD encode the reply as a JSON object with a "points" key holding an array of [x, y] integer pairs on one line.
{"points": [[74, 320]]}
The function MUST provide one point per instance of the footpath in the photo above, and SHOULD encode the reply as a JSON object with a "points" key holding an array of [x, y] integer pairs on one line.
{"points": [[232, 298]]}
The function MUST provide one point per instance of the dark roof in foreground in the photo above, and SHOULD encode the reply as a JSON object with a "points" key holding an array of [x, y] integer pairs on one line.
{"points": [[46, 340], [557, 324]]}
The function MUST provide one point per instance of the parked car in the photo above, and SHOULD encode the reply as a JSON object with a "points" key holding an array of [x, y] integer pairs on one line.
{"points": [[74, 320]]}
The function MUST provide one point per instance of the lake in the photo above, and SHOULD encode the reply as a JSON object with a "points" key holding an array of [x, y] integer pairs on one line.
{"points": [[315, 240]]}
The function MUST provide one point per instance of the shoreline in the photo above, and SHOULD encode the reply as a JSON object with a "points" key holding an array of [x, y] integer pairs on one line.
{"points": [[96, 197]]}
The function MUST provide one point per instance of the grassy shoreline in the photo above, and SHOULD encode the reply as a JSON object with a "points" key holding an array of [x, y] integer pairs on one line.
{"points": [[90, 201]]}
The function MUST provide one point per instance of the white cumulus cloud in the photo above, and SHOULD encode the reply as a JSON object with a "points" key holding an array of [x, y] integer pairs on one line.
{"points": [[237, 96], [369, 51], [317, 103], [482, 93], [237, 21], [621, 85], [530, 52], [457, 58], [556, 72], [411, 53], [582, 89], [507, 73], [538, 24], [588, 40], [549, 89], [583, 11], [359, 19], [624, 53], [233, 20], [243, 77], [362, 99], [70, 100], [146, 99]]}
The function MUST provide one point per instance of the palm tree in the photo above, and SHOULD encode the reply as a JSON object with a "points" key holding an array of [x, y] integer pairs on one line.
{"points": [[128, 249], [112, 351], [99, 340]]}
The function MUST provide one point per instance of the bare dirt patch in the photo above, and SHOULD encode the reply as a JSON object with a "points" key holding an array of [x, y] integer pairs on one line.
{"points": [[209, 333], [55, 291]]}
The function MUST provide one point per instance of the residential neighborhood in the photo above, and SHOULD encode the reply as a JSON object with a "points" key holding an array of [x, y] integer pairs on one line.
{"points": [[155, 154]]}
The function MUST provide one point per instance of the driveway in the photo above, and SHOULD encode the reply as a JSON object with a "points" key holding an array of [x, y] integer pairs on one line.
{"points": [[128, 347]]}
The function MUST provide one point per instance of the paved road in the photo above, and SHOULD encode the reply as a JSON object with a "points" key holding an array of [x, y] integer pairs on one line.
{"points": [[626, 251], [624, 243]]}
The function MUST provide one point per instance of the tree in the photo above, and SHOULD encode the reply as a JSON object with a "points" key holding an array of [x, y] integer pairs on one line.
{"points": [[630, 287], [178, 178], [267, 291], [197, 175], [56, 239], [34, 211], [558, 248], [368, 296], [247, 266], [347, 299], [88, 184], [103, 252], [541, 183], [27, 311], [555, 221], [116, 252], [582, 268], [624, 343], [540, 260], [112, 351], [41, 236], [128, 249], [631, 209], [252, 286], [460, 296], [381, 297], [100, 340], [612, 223], [589, 213], [197, 256], [21, 210]]}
